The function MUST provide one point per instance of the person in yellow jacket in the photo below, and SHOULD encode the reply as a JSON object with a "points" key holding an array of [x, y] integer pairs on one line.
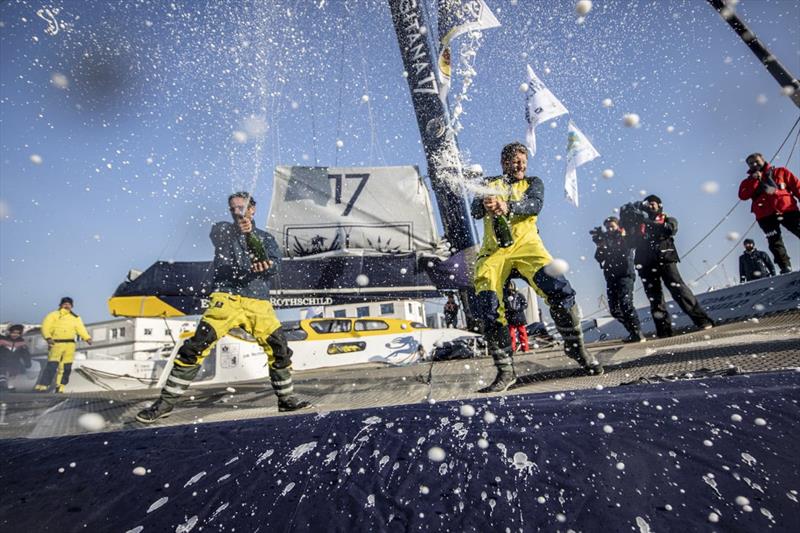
{"points": [[59, 329], [519, 199]]}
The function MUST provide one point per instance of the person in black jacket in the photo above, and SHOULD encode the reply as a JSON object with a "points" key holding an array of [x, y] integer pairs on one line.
{"points": [[245, 259], [14, 356], [516, 304], [616, 259], [651, 233], [451, 312], [754, 264]]}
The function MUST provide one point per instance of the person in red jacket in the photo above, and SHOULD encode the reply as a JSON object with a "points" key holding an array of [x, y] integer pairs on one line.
{"points": [[774, 192]]}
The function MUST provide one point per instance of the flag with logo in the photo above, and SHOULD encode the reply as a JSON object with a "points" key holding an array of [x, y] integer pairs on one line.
{"points": [[579, 151], [457, 17], [541, 106]]}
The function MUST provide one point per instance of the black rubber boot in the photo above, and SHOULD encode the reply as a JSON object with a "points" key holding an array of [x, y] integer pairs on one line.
{"points": [[159, 409], [291, 403], [498, 342], [568, 324]]}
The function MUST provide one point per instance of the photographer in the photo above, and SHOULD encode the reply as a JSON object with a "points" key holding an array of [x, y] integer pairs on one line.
{"points": [[774, 192], [650, 232], [616, 259]]}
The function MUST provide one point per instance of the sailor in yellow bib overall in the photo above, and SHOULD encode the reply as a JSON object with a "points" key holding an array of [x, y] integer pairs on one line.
{"points": [[59, 329], [520, 198], [241, 284]]}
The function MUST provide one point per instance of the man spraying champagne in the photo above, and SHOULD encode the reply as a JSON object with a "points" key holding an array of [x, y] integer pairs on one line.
{"points": [[511, 243], [245, 259]]}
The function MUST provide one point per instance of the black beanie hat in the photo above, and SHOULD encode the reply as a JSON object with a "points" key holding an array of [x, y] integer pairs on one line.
{"points": [[66, 300], [653, 198]]}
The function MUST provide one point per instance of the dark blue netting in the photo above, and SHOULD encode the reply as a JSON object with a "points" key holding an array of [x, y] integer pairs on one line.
{"points": [[677, 453]]}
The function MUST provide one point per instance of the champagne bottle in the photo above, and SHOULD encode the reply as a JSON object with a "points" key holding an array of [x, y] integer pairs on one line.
{"points": [[502, 231], [256, 248]]}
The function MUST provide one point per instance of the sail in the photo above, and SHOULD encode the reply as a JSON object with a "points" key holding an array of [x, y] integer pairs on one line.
{"points": [[364, 210], [355, 234]]}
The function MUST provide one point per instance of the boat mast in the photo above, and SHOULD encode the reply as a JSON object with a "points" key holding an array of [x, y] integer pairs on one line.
{"points": [[437, 138], [775, 67]]}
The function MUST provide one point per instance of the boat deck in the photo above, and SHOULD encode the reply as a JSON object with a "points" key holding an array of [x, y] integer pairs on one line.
{"points": [[756, 345]]}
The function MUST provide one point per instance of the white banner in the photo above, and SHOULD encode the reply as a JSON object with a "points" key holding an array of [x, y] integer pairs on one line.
{"points": [[316, 210], [541, 106], [457, 17], [579, 151]]}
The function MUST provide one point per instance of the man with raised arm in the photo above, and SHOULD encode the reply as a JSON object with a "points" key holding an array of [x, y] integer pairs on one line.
{"points": [[774, 192], [245, 258]]}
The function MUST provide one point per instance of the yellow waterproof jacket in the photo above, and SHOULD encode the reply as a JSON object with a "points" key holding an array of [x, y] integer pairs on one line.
{"points": [[525, 199], [63, 325]]}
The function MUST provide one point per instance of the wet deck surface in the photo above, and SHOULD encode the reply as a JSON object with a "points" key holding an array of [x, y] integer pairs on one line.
{"points": [[756, 345]]}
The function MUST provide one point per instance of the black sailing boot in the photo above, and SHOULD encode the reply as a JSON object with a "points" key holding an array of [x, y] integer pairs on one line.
{"points": [[498, 342], [568, 324], [159, 409], [281, 379], [178, 381]]}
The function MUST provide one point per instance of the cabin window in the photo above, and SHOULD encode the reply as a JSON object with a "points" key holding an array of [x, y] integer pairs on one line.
{"points": [[168, 332], [148, 332], [362, 311], [295, 333], [371, 325], [113, 334], [340, 313], [387, 309], [331, 326], [410, 308], [121, 332]]}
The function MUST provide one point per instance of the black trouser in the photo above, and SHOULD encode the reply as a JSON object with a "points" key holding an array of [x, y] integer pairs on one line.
{"points": [[620, 302], [771, 226], [652, 275]]}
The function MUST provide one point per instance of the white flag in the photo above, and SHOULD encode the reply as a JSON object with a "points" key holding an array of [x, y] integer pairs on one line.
{"points": [[579, 151], [457, 17], [541, 106]]}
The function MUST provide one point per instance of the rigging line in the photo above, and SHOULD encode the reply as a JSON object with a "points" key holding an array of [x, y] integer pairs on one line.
{"points": [[372, 129], [272, 102], [784, 141], [735, 246], [718, 224], [339, 112], [312, 95], [788, 159]]}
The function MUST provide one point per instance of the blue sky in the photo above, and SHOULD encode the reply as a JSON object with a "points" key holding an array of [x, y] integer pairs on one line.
{"points": [[118, 140]]}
